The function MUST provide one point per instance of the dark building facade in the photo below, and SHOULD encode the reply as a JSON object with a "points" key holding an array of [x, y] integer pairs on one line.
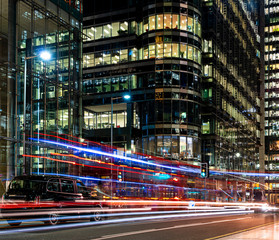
{"points": [[231, 85], [182, 107], [271, 96], [52, 104], [151, 50]]}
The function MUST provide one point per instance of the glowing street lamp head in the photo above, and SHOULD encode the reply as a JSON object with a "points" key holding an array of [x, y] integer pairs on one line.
{"points": [[237, 154], [45, 55], [127, 97]]}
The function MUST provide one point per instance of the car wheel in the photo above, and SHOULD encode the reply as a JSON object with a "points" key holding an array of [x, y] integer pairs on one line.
{"points": [[14, 223], [97, 215], [53, 218]]}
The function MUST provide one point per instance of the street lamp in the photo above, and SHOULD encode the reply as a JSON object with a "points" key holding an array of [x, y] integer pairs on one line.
{"points": [[126, 97], [45, 56]]}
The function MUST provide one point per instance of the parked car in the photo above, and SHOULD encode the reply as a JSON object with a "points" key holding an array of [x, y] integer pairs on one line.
{"points": [[50, 198]]}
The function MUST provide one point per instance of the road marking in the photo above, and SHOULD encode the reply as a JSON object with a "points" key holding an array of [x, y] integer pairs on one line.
{"points": [[163, 229], [244, 230]]}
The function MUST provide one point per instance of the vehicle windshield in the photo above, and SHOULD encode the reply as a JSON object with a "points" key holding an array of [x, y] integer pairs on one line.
{"points": [[23, 184]]}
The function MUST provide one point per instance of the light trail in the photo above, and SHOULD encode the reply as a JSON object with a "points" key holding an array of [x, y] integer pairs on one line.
{"points": [[81, 164], [123, 220], [181, 169], [106, 212], [113, 155], [49, 135], [102, 162], [122, 182]]}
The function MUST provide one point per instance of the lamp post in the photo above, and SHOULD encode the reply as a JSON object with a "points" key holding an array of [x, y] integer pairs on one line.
{"points": [[126, 97], [45, 56]]}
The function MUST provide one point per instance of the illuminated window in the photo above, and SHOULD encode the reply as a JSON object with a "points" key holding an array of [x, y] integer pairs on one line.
{"points": [[152, 51], [167, 21], [159, 50], [115, 29], [190, 24], [183, 23], [145, 25], [160, 21], [175, 21], [133, 54], [107, 57], [115, 57], [124, 55], [152, 23], [98, 32], [190, 52], [145, 52], [175, 48], [183, 50], [107, 31]]}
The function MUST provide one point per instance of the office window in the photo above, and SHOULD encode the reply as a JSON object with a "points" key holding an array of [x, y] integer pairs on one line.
{"points": [[175, 21], [106, 85], [107, 58], [123, 55], [115, 57], [133, 54], [183, 50], [167, 49], [145, 52], [175, 50], [190, 24], [159, 51], [190, 52], [160, 20], [152, 23], [152, 51], [115, 29], [167, 21], [107, 31], [124, 27], [183, 22]]}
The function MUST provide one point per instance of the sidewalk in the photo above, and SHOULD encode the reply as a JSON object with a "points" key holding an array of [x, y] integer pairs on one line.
{"points": [[269, 232]]}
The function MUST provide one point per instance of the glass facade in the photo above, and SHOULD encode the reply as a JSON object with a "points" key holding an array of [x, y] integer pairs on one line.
{"points": [[7, 89], [231, 116], [52, 87], [271, 97], [152, 50]]}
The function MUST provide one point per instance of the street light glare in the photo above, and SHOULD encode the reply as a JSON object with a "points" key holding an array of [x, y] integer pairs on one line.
{"points": [[45, 55], [126, 97]]}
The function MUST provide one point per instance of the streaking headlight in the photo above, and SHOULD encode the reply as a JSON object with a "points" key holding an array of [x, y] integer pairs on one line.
{"points": [[265, 208]]}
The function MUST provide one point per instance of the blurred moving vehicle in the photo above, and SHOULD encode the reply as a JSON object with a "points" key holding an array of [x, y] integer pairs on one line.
{"points": [[50, 198]]}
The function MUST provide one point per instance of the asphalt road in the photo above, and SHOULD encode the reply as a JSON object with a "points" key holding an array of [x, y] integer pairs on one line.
{"points": [[162, 229]]}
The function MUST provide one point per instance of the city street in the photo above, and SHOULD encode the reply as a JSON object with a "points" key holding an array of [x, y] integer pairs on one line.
{"points": [[185, 228]]}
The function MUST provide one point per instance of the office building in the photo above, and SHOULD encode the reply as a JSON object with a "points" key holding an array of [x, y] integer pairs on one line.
{"points": [[272, 97], [52, 103], [182, 107]]}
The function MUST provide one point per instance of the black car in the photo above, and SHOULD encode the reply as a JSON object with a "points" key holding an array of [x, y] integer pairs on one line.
{"points": [[50, 198]]}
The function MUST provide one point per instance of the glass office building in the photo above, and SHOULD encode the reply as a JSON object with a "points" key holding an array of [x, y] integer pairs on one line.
{"points": [[152, 51], [53, 103], [231, 85], [272, 96], [192, 69]]}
